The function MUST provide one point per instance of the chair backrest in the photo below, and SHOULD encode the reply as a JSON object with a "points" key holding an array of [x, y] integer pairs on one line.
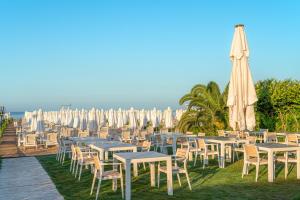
{"points": [[158, 138], [169, 141], [201, 134], [79, 153], [73, 149], [182, 153], [126, 135], [30, 139], [103, 134], [251, 139], [292, 139], [189, 133], [146, 145], [83, 134], [270, 137], [201, 144], [251, 150], [97, 163], [221, 133], [142, 134], [52, 137], [164, 130]]}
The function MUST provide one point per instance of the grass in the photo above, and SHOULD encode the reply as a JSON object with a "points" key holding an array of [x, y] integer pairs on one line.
{"points": [[210, 183]]}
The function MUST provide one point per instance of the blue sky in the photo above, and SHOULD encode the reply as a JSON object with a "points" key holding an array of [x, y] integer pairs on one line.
{"points": [[135, 53]]}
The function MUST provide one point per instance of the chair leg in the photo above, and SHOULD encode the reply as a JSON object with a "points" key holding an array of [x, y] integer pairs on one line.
{"points": [[178, 177], [244, 169], [80, 172], [76, 169], [158, 178], [98, 188], [285, 170], [144, 166], [74, 166], [63, 159], [257, 170], [188, 180], [71, 165], [196, 155], [93, 184], [122, 187]]}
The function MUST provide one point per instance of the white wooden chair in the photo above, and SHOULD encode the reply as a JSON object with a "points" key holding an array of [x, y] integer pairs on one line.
{"points": [[252, 157], [51, 140], [101, 174], [205, 150], [83, 159], [180, 157], [289, 157], [239, 148], [30, 141], [126, 137]]}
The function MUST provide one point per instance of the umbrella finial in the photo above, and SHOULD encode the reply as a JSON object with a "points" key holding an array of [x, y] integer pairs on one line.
{"points": [[239, 25]]}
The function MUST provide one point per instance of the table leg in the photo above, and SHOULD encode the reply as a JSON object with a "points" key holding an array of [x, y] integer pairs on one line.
{"points": [[106, 155], [270, 166], [174, 146], [135, 165], [298, 164], [101, 154], [115, 185], [152, 174], [169, 176], [128, 180], [222, 157]]}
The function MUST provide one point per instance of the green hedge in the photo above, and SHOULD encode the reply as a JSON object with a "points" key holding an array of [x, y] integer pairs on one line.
{"points": [[3, 127]]}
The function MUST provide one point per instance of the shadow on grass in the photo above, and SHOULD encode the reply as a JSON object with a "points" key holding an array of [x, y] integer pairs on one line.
{"points": [[210, 183]]}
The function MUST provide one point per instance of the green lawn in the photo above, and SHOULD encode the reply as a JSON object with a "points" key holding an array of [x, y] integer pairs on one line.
{"points": [[211, 183]]}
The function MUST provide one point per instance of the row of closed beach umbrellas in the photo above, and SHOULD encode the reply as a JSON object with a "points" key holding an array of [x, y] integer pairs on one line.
{"points": [[241, 100], [94, 119]]}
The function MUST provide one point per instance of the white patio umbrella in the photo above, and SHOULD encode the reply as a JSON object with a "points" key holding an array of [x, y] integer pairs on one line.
{"points": [[120, 122], [142, 118], [76, 121], [83, 120], [241, 94], [132, 119], [33, 120], [92, 123], [40, 122], [168, 118], [102, 119], [154, 118], [111, 118]]}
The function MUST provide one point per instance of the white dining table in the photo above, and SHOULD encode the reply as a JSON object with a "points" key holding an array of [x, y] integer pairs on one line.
{"points": [[272, 148], [142, 157]]}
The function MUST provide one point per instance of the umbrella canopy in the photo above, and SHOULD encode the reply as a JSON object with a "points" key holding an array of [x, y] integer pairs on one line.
{"points": [[83, 120], [120, 122], [40, 122], [132, 119], [241, 93], [92, 123], [168, 116], [76, 121]]}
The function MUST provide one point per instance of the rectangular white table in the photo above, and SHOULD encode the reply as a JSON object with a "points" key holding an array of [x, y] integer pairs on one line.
{"points": [[223, 141], [140, 157], [272, 148]]}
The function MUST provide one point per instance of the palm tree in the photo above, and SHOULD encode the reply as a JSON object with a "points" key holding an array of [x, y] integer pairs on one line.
{"points": [[206, 109]]}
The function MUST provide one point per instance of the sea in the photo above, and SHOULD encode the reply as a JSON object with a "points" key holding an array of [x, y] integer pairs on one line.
{"points": [[17, 115]]}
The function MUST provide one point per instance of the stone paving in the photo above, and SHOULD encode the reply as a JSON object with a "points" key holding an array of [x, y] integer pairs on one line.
{"points": [[25, 179]]}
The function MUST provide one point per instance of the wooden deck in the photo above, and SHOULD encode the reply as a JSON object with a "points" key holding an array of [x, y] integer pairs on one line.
{"points": [[10, 149]]}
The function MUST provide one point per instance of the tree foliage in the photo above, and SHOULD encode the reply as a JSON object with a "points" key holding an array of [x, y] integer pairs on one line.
{"points": [[277, 108]]}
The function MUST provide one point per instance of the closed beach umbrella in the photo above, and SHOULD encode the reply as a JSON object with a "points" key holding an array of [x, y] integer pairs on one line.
{"points": [[168, 118], [83, 120], [111, 118], [241, 93], [120, 122], [92, 123], [33, 121], [132, 119], [40, 122], [142, 118], [154, 118], [76, 121]]}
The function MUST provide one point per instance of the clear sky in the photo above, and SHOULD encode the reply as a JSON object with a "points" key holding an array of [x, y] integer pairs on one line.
{"points": [[141, 53]]}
